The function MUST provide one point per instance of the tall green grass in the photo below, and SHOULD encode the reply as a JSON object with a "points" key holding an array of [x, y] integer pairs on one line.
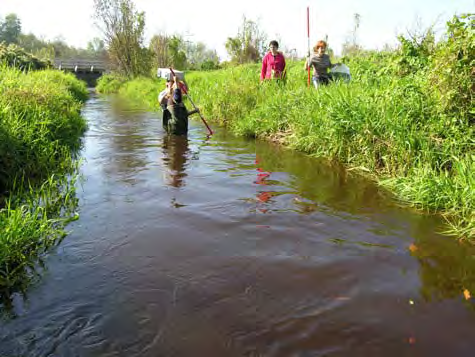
{"points": [[32, 221], [40, 133], [40, 122], [15, 56], [110, 83]]}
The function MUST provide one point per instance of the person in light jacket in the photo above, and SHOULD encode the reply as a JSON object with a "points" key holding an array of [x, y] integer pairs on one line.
{"points": [[273, 63]]}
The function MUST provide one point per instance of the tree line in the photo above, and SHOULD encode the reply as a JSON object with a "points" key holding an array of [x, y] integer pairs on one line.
{"points": [[11, 34], [122, 43], [122, 28]]}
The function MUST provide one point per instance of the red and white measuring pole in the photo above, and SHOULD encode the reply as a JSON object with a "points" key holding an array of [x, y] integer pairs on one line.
{"points": [[308, 44]]}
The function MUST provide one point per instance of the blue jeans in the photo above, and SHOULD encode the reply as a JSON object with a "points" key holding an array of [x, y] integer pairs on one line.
{"points": [[320, 80]]}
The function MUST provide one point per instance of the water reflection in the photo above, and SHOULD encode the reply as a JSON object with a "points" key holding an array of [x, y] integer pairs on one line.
{"points": [[322, 182], [175, 155], [446, 267], [129, 135], [326, 271], [263, 196], [288, 181]]}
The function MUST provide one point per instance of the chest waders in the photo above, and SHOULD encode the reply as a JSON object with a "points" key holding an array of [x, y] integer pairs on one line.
{"points": [[175, 120]]}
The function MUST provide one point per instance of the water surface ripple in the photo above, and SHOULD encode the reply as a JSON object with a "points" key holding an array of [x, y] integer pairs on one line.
{"points": [[228, 247]]}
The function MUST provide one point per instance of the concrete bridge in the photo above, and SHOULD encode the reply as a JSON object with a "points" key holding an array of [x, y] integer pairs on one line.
{"points": [[88, 70]]}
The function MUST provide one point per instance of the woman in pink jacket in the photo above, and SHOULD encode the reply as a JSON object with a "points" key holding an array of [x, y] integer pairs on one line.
{"points": [[273, 63]]}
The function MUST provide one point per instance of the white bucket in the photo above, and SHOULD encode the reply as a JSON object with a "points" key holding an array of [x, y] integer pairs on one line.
{"points": [[166, 73]]}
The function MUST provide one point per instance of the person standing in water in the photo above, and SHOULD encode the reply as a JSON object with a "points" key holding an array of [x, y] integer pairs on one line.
{"points": [[273, 63], [175, 114]]}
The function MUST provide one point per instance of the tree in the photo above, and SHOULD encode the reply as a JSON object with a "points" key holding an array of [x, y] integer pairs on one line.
{"points": [[61, 48], [160, 52], [10, 29], [95, 49], [173, 51], [30, 43], [96, 45], [351, 46], [249, 45], [169, 51], [123, 29], [176, 47], [199, 55], [234, 48]]}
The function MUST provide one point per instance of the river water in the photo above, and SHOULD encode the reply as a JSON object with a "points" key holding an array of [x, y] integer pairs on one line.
{"points": [[223, 246]]}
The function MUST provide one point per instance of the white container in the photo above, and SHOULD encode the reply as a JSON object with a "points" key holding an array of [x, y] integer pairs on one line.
{"points": [[341, 68], [341, 71], [166, 73]]}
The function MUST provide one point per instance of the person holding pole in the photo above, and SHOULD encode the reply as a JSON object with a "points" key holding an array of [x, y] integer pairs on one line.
{"points": [[175, 114], [320, 62], [185, 90]]}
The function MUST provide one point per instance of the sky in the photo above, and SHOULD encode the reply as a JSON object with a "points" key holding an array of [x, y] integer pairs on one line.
{"points": [[213, 21]]}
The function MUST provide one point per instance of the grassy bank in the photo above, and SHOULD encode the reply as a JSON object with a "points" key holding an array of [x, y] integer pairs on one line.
{"points": [[406, 118], [40, 130], [140, 91]]}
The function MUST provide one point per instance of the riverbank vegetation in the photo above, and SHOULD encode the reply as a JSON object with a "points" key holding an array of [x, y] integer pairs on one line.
{"points": [[15, 56], [406, 118], [11, 34], [40, 130]]}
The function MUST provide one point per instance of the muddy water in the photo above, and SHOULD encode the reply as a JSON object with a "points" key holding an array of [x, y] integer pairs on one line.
{"points": [[227, 247]]}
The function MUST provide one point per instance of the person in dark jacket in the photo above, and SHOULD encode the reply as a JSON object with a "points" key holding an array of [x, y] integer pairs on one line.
{"points": [[321, 63], [175, 115]]}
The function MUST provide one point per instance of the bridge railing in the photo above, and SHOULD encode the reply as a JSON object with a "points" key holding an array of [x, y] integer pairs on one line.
{"points": [[81, 65]]}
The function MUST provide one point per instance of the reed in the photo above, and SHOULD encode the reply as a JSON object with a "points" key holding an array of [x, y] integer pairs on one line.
{"points": [[110, 83], [40, 134]]}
